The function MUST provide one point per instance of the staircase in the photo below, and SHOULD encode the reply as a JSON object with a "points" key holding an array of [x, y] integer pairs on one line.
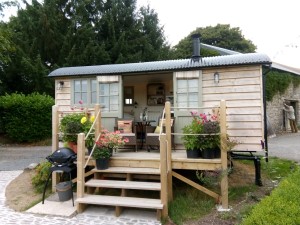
{"points": [[124, 179]]}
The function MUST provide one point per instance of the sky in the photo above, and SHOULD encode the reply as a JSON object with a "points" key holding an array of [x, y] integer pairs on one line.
{"points": [[273, 26]]}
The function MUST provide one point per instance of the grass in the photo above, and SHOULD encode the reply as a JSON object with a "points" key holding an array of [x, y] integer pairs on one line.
{"points": [[191, 204]]}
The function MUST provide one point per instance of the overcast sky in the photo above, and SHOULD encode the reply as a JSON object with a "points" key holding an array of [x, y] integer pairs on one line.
{"points": [[273, 26]]}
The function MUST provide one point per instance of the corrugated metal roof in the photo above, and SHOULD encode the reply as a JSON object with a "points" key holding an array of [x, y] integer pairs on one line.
{"points": [[168, 65]]}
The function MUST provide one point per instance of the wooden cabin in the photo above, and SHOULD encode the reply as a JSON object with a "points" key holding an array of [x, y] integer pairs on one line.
{"points": [[126, 90]]}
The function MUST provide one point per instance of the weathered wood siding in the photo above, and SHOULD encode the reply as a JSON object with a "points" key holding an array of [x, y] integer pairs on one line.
{"points": [[241, 87]]}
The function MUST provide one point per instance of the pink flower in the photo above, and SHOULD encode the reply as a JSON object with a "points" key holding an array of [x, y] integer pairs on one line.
{"points": [[80, 102]]}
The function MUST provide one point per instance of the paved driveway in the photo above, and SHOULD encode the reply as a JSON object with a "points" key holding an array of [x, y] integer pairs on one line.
{"points": [[286, 146], [18, 158]]}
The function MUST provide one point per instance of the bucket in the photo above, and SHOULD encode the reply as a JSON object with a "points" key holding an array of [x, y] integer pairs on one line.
{"points": [[64, 190]]}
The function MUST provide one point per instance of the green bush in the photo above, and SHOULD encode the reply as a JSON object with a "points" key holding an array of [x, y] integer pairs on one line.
{"points": [[42, 172], [281, 207], [26, 118]]}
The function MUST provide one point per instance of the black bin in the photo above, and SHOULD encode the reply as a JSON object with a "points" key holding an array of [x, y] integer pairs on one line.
{"points": [[64, 190]]}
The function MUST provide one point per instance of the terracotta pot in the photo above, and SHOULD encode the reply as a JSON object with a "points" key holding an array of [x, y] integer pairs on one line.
{"points": [[73, 146]]}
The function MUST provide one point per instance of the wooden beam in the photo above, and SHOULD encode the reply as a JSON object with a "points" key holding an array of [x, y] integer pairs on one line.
{"points": [[224, 179], [197, 186]]}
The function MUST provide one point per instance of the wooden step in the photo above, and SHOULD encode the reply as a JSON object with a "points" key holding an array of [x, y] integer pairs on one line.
{"points": [[145, 203], [154, 186], [131, 170]]}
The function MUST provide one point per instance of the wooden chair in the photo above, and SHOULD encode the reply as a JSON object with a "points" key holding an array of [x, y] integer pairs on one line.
{"points": [[128, 130], [152, 135]]}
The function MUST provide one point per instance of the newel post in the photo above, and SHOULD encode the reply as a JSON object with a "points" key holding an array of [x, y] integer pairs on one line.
{"points": [[169, 150], [224, 179], [163, 175], [55, 140], [80, 164], [98, 121]]}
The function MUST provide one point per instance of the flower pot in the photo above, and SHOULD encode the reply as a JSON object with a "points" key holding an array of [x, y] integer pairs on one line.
{"points": [[102, 164], [193, 153], [217, 152], [208, 153], [73, 146]]}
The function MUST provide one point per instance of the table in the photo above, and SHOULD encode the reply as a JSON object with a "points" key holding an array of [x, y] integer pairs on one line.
{"points": [[141, 125]]}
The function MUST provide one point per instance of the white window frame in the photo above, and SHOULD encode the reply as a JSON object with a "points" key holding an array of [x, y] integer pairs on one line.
{"points": [[88, 91], [193, 79]]}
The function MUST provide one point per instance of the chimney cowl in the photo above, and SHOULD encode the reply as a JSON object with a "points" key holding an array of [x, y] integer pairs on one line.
{"points": [[196, 47]]}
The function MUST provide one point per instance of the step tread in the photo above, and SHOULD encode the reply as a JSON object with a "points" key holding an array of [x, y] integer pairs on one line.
{"points": [[133, 170], [155, 186], [146, 203]]}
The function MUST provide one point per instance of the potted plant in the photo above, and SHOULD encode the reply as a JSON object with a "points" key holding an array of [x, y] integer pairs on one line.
{"points": [[101, 155], [191, 139], [105, 145], [73, 124], [209, 140]]}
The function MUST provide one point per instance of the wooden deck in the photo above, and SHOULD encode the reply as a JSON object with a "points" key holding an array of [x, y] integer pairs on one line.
{"points": [[142, 158]]}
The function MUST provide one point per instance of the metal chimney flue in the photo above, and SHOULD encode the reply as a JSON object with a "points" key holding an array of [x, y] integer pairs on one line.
{"points": [[196, 47]]}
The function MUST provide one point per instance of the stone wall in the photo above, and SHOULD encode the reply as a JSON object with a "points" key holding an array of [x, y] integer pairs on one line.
{"points": [[275, 111]]}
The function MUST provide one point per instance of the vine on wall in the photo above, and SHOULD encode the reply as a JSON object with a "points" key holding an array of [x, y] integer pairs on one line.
{"points": [[278, 82]]}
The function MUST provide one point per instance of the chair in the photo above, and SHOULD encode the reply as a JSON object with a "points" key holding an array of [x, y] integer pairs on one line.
{"points": [[152, 134], [127, 130]]}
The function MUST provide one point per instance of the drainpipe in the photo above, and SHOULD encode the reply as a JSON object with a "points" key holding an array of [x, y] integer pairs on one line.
{"points": [[265, 144]]}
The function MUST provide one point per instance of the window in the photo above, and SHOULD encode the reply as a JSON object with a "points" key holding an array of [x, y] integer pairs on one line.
{"points": [[128, 95], [109, 96], [85, 90], [187, 93]]}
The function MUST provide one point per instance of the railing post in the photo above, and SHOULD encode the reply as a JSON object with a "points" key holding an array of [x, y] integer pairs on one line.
{"points": [[80, 164], [55, 140], [169, 150], [163, 175], [98, 121], [224, 178]]}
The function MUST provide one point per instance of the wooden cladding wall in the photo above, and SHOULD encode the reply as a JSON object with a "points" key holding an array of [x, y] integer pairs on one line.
{"points": [[241, 87]]}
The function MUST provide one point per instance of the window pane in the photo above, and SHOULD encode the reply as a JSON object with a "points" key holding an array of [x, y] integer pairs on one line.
{"points": [[103, 89], [84, 84], [77, 97], [77, 86], [114, 89], [84, 98]]}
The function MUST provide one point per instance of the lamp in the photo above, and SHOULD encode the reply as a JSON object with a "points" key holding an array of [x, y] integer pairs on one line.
{"points": [[60, 85], [216, 77]]}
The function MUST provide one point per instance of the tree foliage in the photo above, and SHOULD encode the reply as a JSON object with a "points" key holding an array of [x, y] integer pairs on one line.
{"points": [[59, 33], [222, 35]]}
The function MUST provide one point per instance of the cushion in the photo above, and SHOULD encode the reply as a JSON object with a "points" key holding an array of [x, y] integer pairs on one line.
{"points": [[157, 130], [125, 126]]}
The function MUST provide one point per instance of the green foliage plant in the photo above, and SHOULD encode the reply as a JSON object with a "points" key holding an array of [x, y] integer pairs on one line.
{"points": [[101, 153], [191, 140], [41, 174], [78, 122], [26, 118], [281, 207]]}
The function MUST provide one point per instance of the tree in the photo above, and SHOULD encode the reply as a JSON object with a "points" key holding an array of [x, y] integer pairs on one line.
{"points": [[221, 36], [59, 33]]}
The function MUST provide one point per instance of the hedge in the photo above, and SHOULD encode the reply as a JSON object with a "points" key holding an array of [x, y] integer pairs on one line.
{"points": [[26, 118], [281, 207]]}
